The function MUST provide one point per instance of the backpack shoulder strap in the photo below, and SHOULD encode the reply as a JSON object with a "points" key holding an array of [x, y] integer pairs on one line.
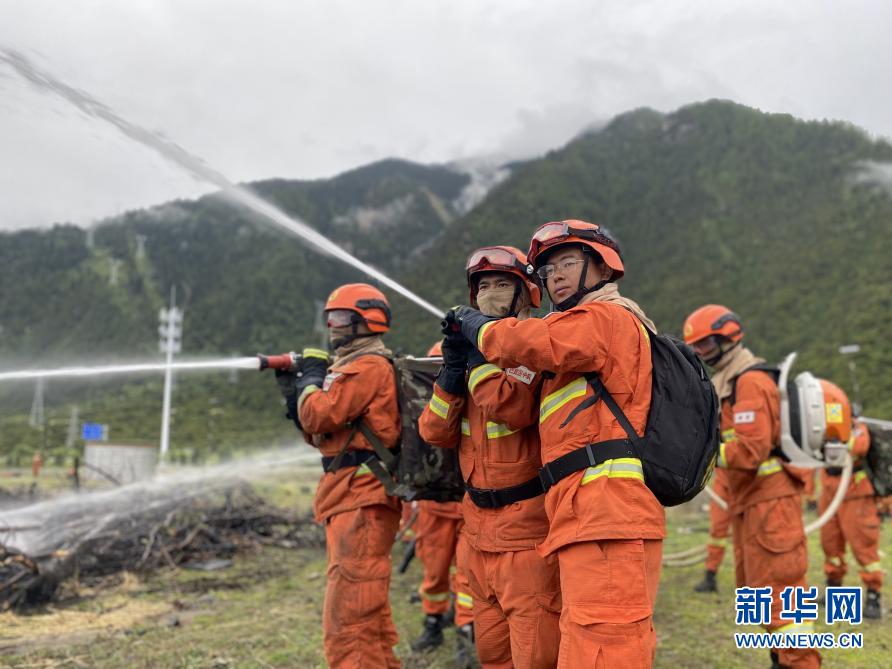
{"points": [[758, 367]]}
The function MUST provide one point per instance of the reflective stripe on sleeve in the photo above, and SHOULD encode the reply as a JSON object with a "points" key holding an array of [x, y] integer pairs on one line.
{"points": [[622, 468], [466, 427], [560, 397], [479, 373], [481, 332], [729, 434], [439, 406], [860, 476], [722, 461], [315, 353]]}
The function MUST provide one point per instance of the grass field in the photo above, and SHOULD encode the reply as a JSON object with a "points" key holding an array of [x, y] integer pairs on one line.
{"points": [[265, 611]]}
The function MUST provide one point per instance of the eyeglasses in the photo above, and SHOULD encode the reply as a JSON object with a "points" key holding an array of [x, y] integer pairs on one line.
{"points": [[340, 318], [564, 266]]}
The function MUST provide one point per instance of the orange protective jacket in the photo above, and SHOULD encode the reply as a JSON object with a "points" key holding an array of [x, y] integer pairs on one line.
{"points": [[495, 428], [750, 431], [609, 501], [364, 387], [860, 485]]}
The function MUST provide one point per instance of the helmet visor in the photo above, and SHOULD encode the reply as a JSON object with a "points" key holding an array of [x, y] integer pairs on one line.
{"points": [[550, 234], [340, 318], [493, 258]]}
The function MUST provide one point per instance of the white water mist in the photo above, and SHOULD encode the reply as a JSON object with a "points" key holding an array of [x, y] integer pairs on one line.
{"points": [[198, 168]]}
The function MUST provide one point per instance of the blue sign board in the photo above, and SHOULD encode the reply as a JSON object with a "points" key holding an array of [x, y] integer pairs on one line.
{"points": [[92, 431]]}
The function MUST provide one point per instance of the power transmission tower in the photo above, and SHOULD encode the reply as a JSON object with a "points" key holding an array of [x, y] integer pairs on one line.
{"points": [[71, 436], [37, 418], [113, 266], [171, 332]]}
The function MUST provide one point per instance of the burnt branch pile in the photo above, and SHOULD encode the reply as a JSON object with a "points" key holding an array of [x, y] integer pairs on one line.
{"points": [[202, 528]]}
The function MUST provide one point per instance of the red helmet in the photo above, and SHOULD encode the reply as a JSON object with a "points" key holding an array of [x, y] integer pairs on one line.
{"points": [[436, 350], [366, 301], [838, 413], [502, 259], [712, 319], [557, 233]]}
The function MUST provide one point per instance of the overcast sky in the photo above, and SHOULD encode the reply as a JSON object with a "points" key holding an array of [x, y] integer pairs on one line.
{"points": [[301, 89]]}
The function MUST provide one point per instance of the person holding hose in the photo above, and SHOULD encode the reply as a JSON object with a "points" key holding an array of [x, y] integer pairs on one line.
{"points": [[490, 414], [764, 492], [341, 410], [606, 527], [857, 522]]}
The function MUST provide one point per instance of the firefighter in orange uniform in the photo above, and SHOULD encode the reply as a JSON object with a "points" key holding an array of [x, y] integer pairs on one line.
{"points": [[719, 526], [857, 521], [765, 494], [490, 414], [605, 525], [360, 518], [438, 528]]}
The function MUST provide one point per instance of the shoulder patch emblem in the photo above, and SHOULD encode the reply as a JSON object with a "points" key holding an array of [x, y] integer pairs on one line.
{"points": [[329, 379], [521, 374], [744, 417]]}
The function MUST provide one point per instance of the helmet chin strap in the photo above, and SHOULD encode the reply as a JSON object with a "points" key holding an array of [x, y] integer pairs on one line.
{"points": [[581, 290], [335, 344], [716, 358]]}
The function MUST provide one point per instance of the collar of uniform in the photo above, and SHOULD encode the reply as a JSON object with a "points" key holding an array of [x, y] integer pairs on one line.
{"points": [[358, 347], [610, 293], [739, 359]]}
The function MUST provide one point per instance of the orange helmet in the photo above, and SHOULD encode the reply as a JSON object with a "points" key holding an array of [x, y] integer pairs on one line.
{"points": [[710, 320], [557, 233], [502, 259], [436, 350], [838, 413], [364, 300]]}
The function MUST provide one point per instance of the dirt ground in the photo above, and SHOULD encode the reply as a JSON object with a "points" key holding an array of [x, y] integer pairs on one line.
{"points": [[265, 611]]}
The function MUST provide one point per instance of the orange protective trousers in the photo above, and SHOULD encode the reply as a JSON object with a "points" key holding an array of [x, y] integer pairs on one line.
{"points": [[517, 602], [609, 588], [357, 625], [719, 523], [857, 522], [438, 538], [770, 550]]}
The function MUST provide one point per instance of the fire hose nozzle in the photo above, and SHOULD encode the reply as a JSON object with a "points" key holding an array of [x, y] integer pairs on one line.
{"points": [[288, 362]]}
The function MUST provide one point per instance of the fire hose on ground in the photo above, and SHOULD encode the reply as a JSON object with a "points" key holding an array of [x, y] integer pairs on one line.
{"points": [[696, 555]]}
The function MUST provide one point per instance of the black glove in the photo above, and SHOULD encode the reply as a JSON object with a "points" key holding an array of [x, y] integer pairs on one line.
{"points": [[475, 358], [452, 376], [312, 370], [287, 381], [455, 351], [470, 321]]}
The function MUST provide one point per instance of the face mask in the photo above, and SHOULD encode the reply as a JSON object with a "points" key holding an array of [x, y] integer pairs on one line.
{"points": [[496, 301]]}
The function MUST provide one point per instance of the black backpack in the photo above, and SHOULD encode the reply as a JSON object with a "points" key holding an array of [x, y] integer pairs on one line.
{"points": [[878, 462], [415, 470], [681, 438]]}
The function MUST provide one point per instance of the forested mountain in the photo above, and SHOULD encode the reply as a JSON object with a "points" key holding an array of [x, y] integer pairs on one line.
{"points": [[713, 203]]}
